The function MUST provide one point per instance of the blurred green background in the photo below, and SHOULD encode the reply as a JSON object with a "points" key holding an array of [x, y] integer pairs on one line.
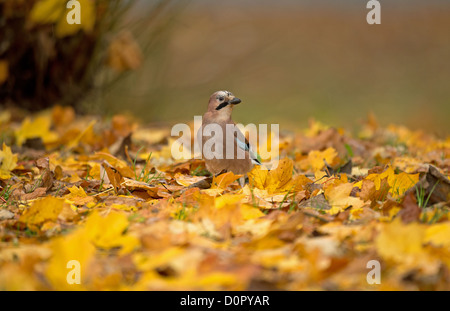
{"points": [[294, 60]]}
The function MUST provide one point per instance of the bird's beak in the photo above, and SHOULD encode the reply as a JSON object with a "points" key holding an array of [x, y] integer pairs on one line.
{"points": [[235, 101]]}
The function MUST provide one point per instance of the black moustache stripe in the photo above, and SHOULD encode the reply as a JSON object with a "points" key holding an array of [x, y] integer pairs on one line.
{"points": [[222, 105]]}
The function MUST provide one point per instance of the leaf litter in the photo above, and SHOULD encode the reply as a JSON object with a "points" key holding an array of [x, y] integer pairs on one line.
{"points": [[108, 194]]}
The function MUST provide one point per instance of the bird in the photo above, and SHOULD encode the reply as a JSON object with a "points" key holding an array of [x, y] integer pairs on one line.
{"points": [[230, 151]]}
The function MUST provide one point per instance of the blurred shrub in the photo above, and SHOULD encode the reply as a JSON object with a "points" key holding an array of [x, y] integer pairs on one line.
{"points": [[46, 61]]}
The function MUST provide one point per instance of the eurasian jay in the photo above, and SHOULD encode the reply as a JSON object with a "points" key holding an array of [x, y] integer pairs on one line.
{"points": [[227, 149]]}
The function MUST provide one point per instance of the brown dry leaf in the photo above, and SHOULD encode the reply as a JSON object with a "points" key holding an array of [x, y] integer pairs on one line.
{"points": [[367, 190], [47, 176], [124, 53], [141, 189], [133, 184], [118, 164], [38, 192], [411, 211], [62, 116], [114, 177], [187, 180], [398, 184]]}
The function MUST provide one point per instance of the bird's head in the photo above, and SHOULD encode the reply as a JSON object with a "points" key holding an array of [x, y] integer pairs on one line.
{"points": [[222, 102]]}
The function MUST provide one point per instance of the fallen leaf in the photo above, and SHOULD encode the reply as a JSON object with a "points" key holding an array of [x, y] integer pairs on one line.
{"points": [[5, 214], [224, 180], [108, 232], [438, 234], [39, 127], [42, 210], [339, 198], [316, 158], [411, 211], [8, 162], [78, 196], [76, 247], [403, 244], [279, 179], [38, 192]]}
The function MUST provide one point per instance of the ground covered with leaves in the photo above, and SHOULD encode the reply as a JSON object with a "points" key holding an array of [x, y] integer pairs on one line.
{"points": [[107, 194]]}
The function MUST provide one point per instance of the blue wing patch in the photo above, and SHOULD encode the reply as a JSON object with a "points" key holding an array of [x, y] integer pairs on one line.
{"points": [[244, 145]]}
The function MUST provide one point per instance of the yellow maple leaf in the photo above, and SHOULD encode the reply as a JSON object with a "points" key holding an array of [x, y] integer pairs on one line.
{"points": [[339, 198], [316, 158], [398, 183], [224, 211], [146, 263], [87, 136], [223, 180], [78, 196], [377, 178], [355, 213], [108, 232], [315, 127], [217, 280], [407, 164], [39, 127], [396, 240], [75, 246], [279, 179], [250, 212], [403, 245], [227, 200], [401, 183], [124, 207], [118, 164], [76, 192], [8, 162], [438, 234], [257, 177], [190, 279], [43, 210]]}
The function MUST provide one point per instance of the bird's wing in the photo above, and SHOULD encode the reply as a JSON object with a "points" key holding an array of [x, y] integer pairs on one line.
{"points": [[243, 144]]}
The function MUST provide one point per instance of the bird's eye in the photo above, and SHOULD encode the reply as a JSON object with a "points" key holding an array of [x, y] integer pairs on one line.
{"points": [[220, 98]]}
